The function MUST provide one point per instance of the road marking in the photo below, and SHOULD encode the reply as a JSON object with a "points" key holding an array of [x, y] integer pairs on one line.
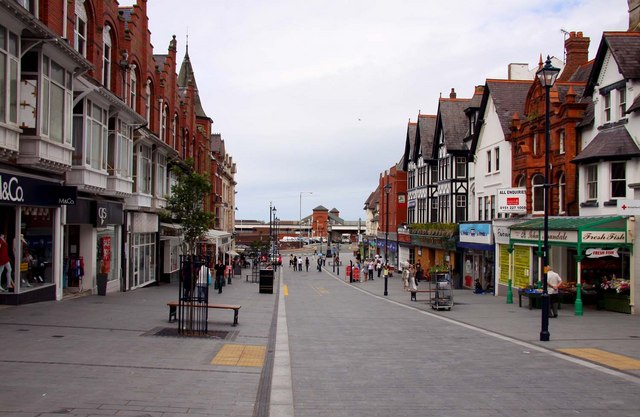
{"points": [[613, 360], [240, 355], [320, 290], [286, 290]]}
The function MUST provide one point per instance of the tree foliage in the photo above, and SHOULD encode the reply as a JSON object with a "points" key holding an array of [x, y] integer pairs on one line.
{"points": [[186, 204]]}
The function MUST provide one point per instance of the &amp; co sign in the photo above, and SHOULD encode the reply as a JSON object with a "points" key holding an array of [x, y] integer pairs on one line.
{"points": [[15, 189]]}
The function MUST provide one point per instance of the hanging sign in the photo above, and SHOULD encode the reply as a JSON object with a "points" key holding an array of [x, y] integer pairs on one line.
{"points": [[601, 253], [512, 200]]}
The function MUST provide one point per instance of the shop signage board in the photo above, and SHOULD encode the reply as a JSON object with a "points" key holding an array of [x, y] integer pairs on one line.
{"points": [[628, 207], [601, 253], [512, 200], [567, 236], [501, 234], [475, 233], [19, 190], [604, 237]]}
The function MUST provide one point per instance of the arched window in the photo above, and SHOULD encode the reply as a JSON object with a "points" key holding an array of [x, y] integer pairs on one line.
{"points": [[537, 193], [164, 123], [133, 89], [521, 181], [174, 130], [147, 101], [106, 57], [80, 28], [561, 190]]}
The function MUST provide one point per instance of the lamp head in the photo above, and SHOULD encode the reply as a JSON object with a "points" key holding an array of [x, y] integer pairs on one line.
{"points": [[548, 74]]}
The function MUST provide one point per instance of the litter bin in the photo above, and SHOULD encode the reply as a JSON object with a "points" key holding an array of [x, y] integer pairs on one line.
{"points": [[101, 282], [266, 281]]}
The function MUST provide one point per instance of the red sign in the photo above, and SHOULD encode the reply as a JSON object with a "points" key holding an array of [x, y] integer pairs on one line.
{"points": [[513, 201]]}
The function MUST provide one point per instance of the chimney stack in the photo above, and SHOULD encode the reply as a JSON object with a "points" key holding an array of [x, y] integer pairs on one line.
{"points": [[452, 94], [577, 49], [634, 15]]}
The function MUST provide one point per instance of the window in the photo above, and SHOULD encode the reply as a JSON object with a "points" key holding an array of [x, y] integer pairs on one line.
{"points": [[147, 101], [434, 210], [106, 57], [57, 102], [607, 107], [521, 181], [534, 146], [618, 180], [31, 5], [537, 183], [174, 131], [142, 169], [592, 181], [562, 186], [561, 142], [492, 208], [434, 174], [124, 144], [163, 123], [80, 29], [488, 162], [161, 177], [480, 208], [461, 167], [133, 91], [143, 258], [496, 153], [486, 207], [622, 101], [461, 207], [96, 137], [9, 45]]}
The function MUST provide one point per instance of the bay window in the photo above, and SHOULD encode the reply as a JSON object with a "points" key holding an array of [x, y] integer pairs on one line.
{"points": [[120, 148], [9, 56], [142, 169], [96, 137], [57, 102], [161, 177]]}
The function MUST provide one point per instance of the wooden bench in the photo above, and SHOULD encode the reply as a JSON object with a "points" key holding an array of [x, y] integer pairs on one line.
{"points": [[415, 293], [173, 310]]}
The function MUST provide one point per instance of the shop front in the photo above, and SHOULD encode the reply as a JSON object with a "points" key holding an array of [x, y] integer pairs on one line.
{"points": [[30, 237], [391, 251], [476, 245], [142, 249], [170, 250], [593, 255], [92, 246]]}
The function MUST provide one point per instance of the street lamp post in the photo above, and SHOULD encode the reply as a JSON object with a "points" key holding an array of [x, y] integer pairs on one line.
{"points": [[547, 76], [387, 190], [300, 216]]}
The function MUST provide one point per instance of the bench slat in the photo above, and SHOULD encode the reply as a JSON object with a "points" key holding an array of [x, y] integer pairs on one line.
{"points": [[173, 307]]}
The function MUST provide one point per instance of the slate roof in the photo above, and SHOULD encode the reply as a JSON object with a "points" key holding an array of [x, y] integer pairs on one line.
{"points": [[425, 134], [320, 208], [625, 48], [634, 106], [509, 97], [612, 143], [453, 121], [582, 73], [187, 75], [409, 146], [217, 144]]}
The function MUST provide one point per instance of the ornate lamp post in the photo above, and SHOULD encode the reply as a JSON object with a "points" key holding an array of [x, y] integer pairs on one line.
{"points": [[547, 76], [387, 190]]}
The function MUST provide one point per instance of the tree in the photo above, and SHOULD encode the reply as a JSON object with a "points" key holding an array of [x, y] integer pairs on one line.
{"points": [[186, 204]]}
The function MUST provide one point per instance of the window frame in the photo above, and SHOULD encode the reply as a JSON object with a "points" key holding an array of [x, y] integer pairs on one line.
{"points": [[537, 194], [496, 153], [613, 181], [107, 56], [607, 106], [591, 182], [489, 161], [461, 164], [9, 76], [622, 101]]}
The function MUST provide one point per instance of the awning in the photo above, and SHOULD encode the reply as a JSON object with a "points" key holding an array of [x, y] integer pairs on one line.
{"points": [[215, 236], [578, 232], [233, 253]]}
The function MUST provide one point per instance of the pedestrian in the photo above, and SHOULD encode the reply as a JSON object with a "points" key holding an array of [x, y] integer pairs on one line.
{"points": [[413, 286], [419, 272], [204, 278], [405, 275], [295, 263], [385, 271], [300, 264], [219, 268], [306, 263], [290, 260], [371, 267], [553, 283], [379, 266], [320, 263]]}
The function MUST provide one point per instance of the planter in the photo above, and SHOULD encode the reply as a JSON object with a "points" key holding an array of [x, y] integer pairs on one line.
{"points": [[617, 302]]}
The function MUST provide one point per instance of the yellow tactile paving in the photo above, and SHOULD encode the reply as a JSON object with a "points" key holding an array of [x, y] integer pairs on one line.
{"points": [[286, 290], [612, 360], [240, 355]]}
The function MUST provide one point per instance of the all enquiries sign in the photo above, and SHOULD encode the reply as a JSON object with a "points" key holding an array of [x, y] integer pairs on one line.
{"points": [[512, 200]]}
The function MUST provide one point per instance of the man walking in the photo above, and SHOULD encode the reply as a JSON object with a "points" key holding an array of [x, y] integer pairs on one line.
{"points": [[553, 282]]}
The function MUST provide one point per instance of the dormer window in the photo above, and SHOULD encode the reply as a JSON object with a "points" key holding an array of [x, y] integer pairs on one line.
{"points": [[607, 107], [622, 101]]}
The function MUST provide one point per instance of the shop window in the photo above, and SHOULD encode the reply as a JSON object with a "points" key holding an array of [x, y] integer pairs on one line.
{"points": [[9, 51], [618, 180], [36, 247], [143, 259]]}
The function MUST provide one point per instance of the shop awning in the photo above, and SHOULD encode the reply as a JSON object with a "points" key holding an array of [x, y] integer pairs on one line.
{"points": [[233, 253], [214, 236], [579, 232]]}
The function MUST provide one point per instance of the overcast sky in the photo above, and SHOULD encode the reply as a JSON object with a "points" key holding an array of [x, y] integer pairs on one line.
{"points": [[315, 95]]}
